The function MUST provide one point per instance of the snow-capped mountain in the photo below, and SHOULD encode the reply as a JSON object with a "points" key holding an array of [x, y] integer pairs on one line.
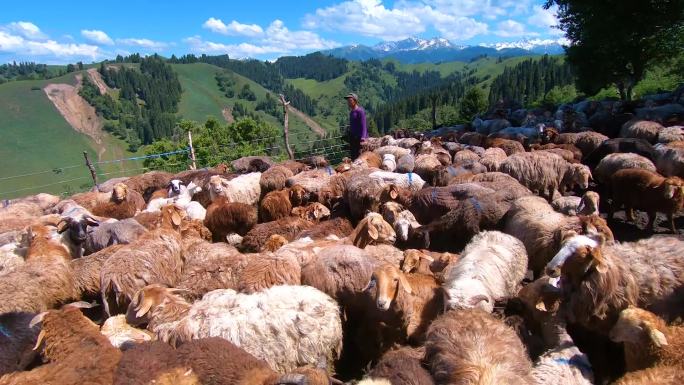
{"points": [[417, 50]]}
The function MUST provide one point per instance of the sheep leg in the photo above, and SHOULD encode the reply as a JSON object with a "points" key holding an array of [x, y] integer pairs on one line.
{"points": [[670, 218], [629, 213], [651, 221]]}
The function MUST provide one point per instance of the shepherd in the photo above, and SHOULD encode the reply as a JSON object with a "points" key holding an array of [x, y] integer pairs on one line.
{"points": [[357, 125]]}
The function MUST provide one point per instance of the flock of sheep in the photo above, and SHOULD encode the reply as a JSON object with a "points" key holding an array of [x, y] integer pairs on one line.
{"points": [[469, 256]]}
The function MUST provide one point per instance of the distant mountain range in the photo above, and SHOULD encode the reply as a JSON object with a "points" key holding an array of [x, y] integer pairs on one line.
{"points": [[416, 50]]}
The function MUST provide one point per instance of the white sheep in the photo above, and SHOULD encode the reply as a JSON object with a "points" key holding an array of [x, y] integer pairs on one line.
{"points": [[402, 220], [241, 189], [389, 162], [286, 326], [670, 159], [409, 180], [491, 267], [179, 194]]}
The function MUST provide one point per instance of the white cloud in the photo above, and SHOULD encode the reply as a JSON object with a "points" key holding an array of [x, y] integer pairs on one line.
{"points": [[278, 35], [17, 45], [143, 43], [242, 50], [97, 37], [545, 19], [26, 29], [234, 28], [512, 28]]}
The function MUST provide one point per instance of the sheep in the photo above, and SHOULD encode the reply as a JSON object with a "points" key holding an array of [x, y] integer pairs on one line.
{"points": [[490, 126], [274, 243], [647, 339], [669, 159], [313, 212], [120, 334], [16, 341], [278, 204], [545, 173], [492, 158], [251, 164], [43, 201], [288, 227], [209, 266], [399, 367], [339, 227], [586, 141], [44, 281], [426, 165], [206, 361], [313, 181], [73, 347], [362, 195], [286, 326], [294, 166], [644, 129], [155, 257], [178, 194], [124, 203], [472, 139], [90, 199], [315, 161], [113, 233], [612, 163], [601, 279], [470, 346], [242, 189], [541, 229], [274, 178], [406, 163], [571, 148], [87, 272], [416, 299], [510, 147], [660, 113], [663, 375], [403, 221], [398, 152], [567, 204], [11, 257], [671, 134], [491, 267], [368, 159], [410, 180], [646, 190], [466, 155], [562, 361], [610, 146], [426, 262], [73, 225], [389, 163], [224, 217], [149, 182]]}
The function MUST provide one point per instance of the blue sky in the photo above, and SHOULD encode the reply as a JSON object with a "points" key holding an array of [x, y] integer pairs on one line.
{"points": [[50, 32]]}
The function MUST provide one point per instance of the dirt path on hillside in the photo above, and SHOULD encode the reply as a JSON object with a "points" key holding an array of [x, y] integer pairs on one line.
{"points": [[227, 113], [309, 122], [96, 78], [77, 112]]}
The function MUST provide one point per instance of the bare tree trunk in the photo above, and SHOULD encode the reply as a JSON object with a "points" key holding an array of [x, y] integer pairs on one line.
{"points": [[285, 124]]}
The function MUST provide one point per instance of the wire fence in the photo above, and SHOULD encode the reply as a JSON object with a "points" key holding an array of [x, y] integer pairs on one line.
{"points": [[69, 179]]}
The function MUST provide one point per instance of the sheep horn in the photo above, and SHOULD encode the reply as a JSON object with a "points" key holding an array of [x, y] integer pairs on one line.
{"points": [[80, 305], [37, 319], [335, 381], [477, 299], [39, 340], [292, 379]]}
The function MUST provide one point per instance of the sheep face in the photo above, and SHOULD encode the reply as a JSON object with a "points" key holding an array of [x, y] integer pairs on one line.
{"points": [[674, 189], [390, 211], [637, 326], [146, 300], [298, 195], [216, 185], [119, 192], [175, 187], [589, 204], [377, 229], [581, 175], [77, 227], [402, 227], [577, 256], [468, 294], [542, 295], [387, 280], [412, 259]]}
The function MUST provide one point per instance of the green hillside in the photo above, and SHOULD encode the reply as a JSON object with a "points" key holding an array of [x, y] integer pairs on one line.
{"points": [[37, 140]]}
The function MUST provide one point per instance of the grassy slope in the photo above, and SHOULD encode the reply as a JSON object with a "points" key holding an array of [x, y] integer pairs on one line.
{"points": [[36, 138]]}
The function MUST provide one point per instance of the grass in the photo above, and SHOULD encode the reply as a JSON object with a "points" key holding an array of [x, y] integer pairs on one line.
{"points": [[38, 141]]}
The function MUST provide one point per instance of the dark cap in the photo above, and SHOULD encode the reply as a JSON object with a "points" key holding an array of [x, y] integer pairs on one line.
{"points": [[353, 96]]}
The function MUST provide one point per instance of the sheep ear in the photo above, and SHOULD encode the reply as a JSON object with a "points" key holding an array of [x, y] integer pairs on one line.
{"points": [[292, 379], [477, 299], [144, 305], [79, 305], [370, 285], [175, 218], [541, 306], [393, 192], [63, 225], [656, 336], [405, 284], [372, 231]]}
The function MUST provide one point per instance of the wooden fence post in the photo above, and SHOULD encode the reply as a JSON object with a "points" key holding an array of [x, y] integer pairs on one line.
{"points": [[192, 151], [92, 170], [285, 124]]}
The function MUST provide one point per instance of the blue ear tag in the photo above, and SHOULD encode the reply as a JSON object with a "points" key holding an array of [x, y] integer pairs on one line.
{"points": [[329, 170], [410, 176], [4, 331]]}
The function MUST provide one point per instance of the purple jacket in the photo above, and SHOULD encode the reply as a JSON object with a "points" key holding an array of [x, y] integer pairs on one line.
{"points": [[357, 123]]}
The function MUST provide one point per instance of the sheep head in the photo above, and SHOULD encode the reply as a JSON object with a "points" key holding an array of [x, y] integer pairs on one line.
{"points": [[638, 326], [541, 296], [589, 204], [77, 227], [387, 280], [298, 195], [468, 294], [195, 229], [674, 190], [175, 187], [412, 259], [147, 299], [313, 212], [68, 321], [274, 242], [172, 217], [119, 192], [372, 229], [216, 186], [390, 211], [580, 175], [577, 256]]}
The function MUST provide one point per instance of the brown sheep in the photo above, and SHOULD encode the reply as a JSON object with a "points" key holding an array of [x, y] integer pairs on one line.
{"points": [[275, 178], [313, 212], [368, 159], [576, 152], [401, 367], [600, 279], [416, 299], [274, 242], [146, 184], [155, 257], [510, 147], [586, 141], [125, 203], [339, 227], [72, 345], [288, 227], [248, 164], [225, 217], [646, 190], [278, 204], [44, 281], [87, 271], [648, 340], [615, 162], [426, 262], [294, 166], [472, 347], [661, 375], [643, 129]]}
